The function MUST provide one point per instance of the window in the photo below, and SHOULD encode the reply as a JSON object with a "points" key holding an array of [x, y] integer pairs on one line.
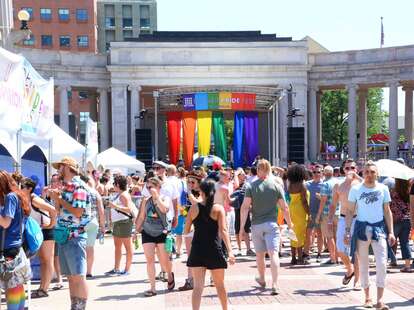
{"points": [[127, 22], [30, 11], [144, 21], [128, 34], [83, 41], [45, 14], [63, 14], [81, 15], [64, 41], [109, 22], [47, 40], [83, 95], [30, 41]]}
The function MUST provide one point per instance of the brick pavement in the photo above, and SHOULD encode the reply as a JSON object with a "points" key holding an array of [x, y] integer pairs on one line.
{"points": [[309, 287]]}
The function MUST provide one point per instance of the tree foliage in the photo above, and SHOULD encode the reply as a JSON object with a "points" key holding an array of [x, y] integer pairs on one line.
{"points": [[334, 109]]}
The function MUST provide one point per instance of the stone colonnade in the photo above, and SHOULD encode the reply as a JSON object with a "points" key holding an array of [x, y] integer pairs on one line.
{"points": [[113, 111], [357, 119]]}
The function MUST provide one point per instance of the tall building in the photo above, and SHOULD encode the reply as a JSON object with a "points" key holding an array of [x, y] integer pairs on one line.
{"points": [[121, 19], [60, 25]]}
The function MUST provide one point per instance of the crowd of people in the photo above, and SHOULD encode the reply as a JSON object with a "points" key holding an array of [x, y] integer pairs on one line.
{"points": [[344, 211]]}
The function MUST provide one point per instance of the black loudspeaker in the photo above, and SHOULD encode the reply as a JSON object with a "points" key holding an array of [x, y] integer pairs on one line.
{"points": [[143, 149], [296, 144]]}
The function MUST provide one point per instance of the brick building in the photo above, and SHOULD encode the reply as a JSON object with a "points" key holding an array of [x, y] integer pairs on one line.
{"points": [[65, 25]]}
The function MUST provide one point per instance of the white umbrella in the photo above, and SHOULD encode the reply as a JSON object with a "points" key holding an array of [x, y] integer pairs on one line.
{"points": [[393, 169]]}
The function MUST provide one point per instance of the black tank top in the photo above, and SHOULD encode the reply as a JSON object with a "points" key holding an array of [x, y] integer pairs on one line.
{"points": [[206, 234]]}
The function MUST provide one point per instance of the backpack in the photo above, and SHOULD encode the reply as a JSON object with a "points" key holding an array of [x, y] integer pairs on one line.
{"points": [[32, 236]]}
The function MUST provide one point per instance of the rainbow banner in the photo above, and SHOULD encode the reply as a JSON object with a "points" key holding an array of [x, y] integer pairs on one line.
{"points": [[219, 101]]}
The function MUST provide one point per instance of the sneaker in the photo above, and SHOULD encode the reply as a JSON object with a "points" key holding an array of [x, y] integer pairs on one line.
{"points": [[250, 252], [329, 262], [124, 273], [239, 253], [188, 285], [112, 272], [89, 276]]}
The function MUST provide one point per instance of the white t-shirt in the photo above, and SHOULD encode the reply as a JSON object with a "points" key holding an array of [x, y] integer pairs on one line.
{"points": [[370, 201]]}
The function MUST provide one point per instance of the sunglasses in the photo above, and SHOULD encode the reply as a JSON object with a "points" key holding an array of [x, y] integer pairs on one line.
{"points": [[316, 172], [156, 168], [350, 168]]}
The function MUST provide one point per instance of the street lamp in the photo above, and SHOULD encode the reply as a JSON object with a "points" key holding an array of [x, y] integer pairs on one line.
{"points": [[15, 36]]}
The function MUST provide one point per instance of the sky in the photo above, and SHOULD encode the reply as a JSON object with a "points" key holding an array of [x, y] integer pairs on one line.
{"points": [[337, 25]]}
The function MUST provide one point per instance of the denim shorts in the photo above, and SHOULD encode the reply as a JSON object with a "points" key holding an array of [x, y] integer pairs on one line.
{"points": [[266, 237], [72, 256]]}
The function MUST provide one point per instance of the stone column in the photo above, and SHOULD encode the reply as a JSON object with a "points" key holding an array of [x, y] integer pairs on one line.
{"points": [[408, 123], [300, 101], [362, 122], [352, 120], [319, 121], [135, 108], [64, 107], [313, 124], [103, 119], [393, 120], [282, 130], [119, 117]]}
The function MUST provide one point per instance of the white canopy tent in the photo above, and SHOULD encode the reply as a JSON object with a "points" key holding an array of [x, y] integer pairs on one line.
{"points": [[115, 159], [64, 145]]}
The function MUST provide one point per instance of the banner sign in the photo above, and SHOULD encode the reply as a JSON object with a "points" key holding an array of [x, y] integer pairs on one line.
{"points": [[26, 99], [219, 101], [189, 102]]}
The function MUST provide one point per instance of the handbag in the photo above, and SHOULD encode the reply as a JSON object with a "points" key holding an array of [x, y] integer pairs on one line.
{"points": [[169, 239], [61, 234]]}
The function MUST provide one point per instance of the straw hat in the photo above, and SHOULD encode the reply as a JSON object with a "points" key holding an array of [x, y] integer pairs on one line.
{"points": [[67, 161]]}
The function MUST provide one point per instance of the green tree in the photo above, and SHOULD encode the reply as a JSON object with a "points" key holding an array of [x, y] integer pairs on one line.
{"points": [[334, 109]]}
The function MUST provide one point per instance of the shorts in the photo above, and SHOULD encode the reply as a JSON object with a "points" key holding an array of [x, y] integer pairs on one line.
{"points": [[340, 234], [150, 239], [92, 229], [231, 219], [266, 237], [326, 232], [48, 234], [210, 258], [247, 225], [312, 222], [179, 229], [72, 257], [122, 229]]}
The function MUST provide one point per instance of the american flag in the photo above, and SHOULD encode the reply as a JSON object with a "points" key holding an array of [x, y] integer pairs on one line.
{"points": [[382, 31]]}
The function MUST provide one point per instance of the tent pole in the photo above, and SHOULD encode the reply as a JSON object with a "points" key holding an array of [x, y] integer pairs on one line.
{"points": [[268, 135], [274, 136], [19, 150], [276, 109], [49, 162]]}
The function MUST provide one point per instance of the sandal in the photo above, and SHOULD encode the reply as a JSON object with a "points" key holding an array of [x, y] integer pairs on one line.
{"points": [[171, 284], [57, 287], [261, 283], [347, 279], [274, 291], [382, 306], [368, 304], [150, 293], [406, 270], [39, 294]]}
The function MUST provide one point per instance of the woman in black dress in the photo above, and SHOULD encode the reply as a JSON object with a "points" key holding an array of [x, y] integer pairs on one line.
{"points": [[210, 229]]}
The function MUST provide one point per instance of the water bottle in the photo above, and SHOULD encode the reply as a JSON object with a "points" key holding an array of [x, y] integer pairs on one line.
{"points": [[101, 238], [136, 243], [169, 243]]}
